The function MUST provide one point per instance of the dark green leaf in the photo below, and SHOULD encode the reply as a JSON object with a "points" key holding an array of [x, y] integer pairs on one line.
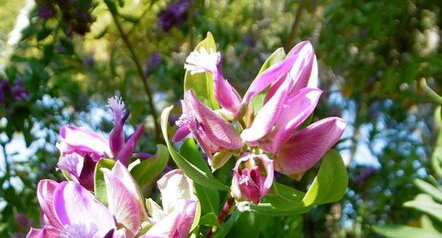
{"points": [[148, 169], [330, 183], [99, 184]]}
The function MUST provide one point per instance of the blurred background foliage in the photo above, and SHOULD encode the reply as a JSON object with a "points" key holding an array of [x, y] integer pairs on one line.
{"points": [[380, 68]]}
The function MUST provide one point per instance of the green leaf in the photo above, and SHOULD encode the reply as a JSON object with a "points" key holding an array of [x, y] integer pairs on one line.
{"points": [[258, 101], [202, 83], [330, 183], [429, 189], [227, 226], [99, 184], [208, 197], [277, 56], [210, 219], [147, 170], [199, 176], [401, 231], [424, 203]]}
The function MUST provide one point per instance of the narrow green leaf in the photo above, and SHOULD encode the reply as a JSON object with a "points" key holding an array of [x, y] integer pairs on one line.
{"points": [[401, 231], [147, 170], [429, 189], [99, 184], [330, 182], [257, 101], [277, 56], [192, 171], [226, 227], [424, 203], [208, 197], [202, 83], [210, 219]]}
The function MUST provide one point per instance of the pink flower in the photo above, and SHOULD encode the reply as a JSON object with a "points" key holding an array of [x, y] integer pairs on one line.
{"points": [[69, 210], [213, 132], [252, 177], [179, 207], [81, 148]]}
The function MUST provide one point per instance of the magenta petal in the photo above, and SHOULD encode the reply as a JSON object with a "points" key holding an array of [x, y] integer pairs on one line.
{"points": [[45, 196], [305, 148], [267, 116], [76, 206], [184, 220], [82, 140], [126, 153], [296, 111], [227, 96], [275, 73], [218, 130], [181, 133], [123, 204], [45, 232]]}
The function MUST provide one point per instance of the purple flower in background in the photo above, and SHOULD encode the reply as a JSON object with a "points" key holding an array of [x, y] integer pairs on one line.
{"points": [[46, 11], [252, 177], [364, 175], [174, 15], [14, 92], [152, 62]]}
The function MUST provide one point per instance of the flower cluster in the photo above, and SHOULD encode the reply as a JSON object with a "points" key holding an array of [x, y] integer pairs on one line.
{"points": [[70, 209], [265, 138]]}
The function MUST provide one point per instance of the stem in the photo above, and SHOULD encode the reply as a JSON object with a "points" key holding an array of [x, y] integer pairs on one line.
{"points": [[227, 208], [430, 92], [143, 77], [287, 45]]}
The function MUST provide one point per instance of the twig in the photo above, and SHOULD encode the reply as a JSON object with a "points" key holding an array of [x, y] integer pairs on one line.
{"points": [[288, 42], [134, 57]]}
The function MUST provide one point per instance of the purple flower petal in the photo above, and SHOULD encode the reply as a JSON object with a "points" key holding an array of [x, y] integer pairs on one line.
{"points": [[83, 141], [74, 205], [126, 152], [45, 196], [218, 130], [296, 111], [307, 146], [45, 232]]}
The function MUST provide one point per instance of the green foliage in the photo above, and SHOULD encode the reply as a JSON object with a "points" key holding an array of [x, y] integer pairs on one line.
{"points": [[99, 183], [145, 171]]}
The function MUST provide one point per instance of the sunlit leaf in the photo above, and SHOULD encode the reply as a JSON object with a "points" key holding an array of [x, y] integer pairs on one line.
{"points": [[147, 170], [202, 83], [330, 183], [424, 203], [401, 231], [99, 184]]}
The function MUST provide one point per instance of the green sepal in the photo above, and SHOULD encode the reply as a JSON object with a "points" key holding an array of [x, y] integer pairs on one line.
{"points": [[202, 83], [147, 170], [99, 183]]}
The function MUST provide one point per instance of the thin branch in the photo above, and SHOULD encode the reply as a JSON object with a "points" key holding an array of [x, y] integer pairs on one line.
{"points": [[288, 42], [143, 76]]}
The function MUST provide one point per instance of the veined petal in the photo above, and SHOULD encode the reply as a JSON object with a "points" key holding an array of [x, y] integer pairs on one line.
{"points": [[45, 196], [181, 133], [304, 68], [276, 72], [267, 116], [174, 186], [45, 232], [126, 152], [72, 164], [226, 95], [305, 148], [122, 204], [218, 130], [83, 140], [76, 205], [121, 173], [296, 110], [176, 224]]}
